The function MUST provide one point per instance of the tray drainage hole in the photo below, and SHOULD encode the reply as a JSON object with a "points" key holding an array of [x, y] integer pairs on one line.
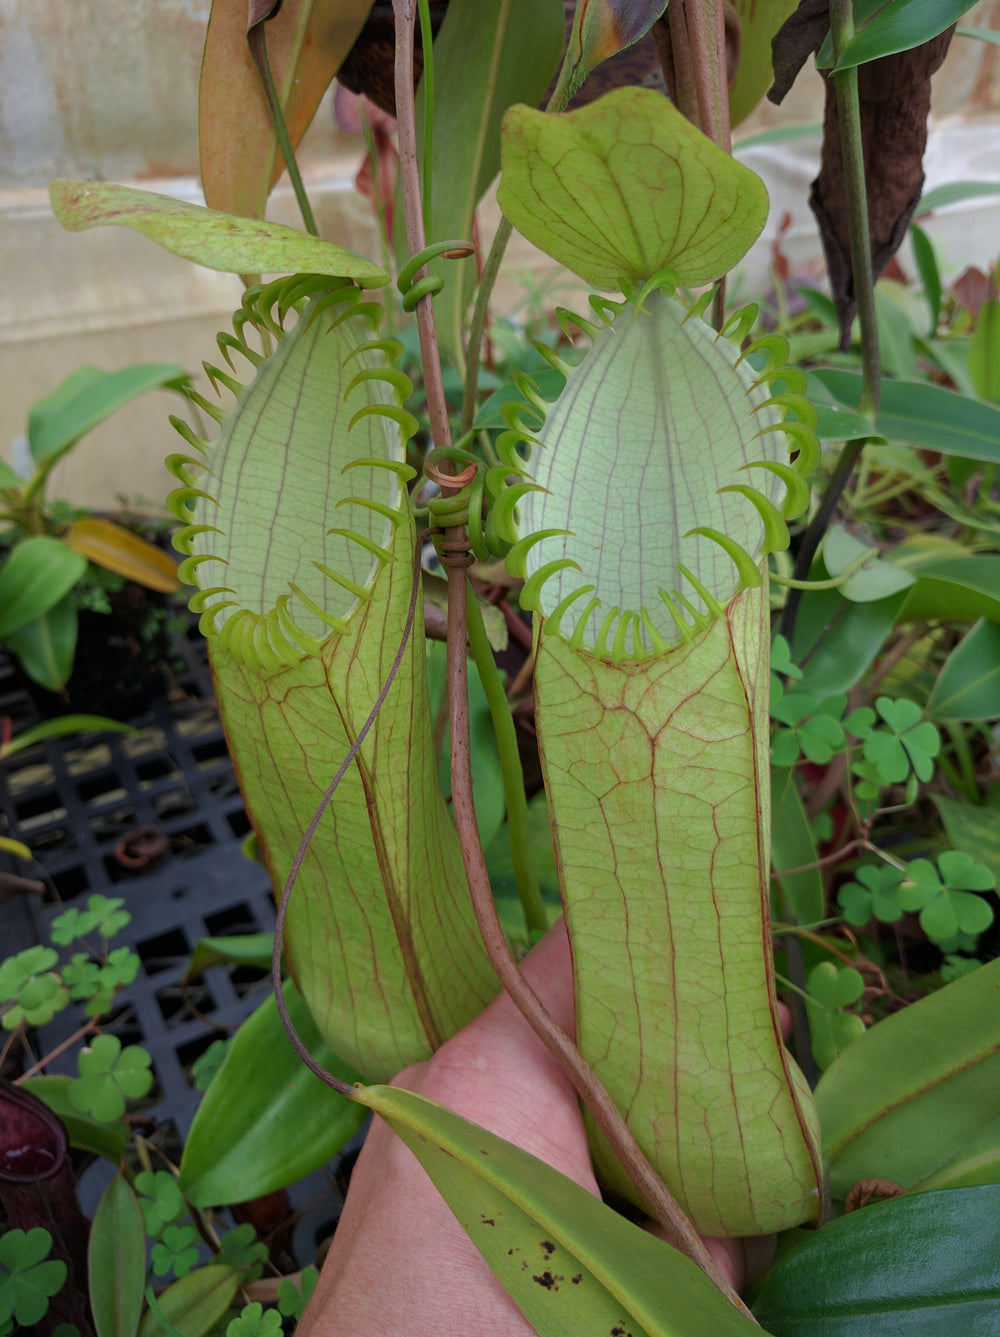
{"points": [[164, 951]]}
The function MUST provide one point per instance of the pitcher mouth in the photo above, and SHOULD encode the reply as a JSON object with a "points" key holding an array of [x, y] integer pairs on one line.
{"points": [[664, 408], [290, 512]]}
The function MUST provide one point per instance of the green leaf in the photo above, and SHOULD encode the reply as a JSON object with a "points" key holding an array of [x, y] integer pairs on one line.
{"points": [[874, 893], [293, 1299], [943, 895], [905, 1099], [777, 134], [108, 1076], [875, 580], [907, 743], [216, 240], [46, 647], [9, 478], [930, 275], [896, 346], [176, 1252], [493, 53], [86, 398], [883, 29], [254, 1321], [792, 846], [116, 1261], [500, 863], [830, 988], [63, 727], [970, 828], [954, 588], [26, 1281], [28, 981], [161, 1201], [759, 21], [243, 949], [569, 1262], [626, 187], [101, 1137], [954, 193], [835, 423], [984, 352], [968, 686], [266, 1120], [927, 1264], [206, 1065], [836, 641], [196, 1303], [241, 1248], [917, 413], [982, 34], [37, 574]]}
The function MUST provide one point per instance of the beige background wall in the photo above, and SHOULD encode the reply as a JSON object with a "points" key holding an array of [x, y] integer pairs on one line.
{"points": [[107, 90]]}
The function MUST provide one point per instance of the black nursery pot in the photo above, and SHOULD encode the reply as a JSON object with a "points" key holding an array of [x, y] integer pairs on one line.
{"points": [[122, 660]]}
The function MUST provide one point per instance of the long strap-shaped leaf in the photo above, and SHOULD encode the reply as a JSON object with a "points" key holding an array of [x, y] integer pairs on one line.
{"points": [[916, 1100], [570, 1263], [305, 566]]}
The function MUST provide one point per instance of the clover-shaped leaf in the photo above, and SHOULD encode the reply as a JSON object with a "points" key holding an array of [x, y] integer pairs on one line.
{"points": [[959, 942], [946, 897], [72, 924], [292, 1299], [906, 743], [241, 1248], [109, 917], [206, 1065], [954, 967], [176, 1252], [121, 969], [255, 1321], [874, 893], [108, 1075], [830, 988], [814, 728], [26, 1280], [35, 990], [82, 975], [103, 913], [781, 664], [160, 1199], [859, 723]]}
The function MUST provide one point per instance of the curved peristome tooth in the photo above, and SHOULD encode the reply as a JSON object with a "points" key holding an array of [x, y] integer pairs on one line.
{"points": [[668, 413], [326, 401]]}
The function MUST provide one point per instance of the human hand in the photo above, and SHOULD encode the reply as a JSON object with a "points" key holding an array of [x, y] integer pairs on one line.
{"points": [[400, 1264]]}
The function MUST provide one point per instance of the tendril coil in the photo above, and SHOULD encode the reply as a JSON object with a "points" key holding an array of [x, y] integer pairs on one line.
{"points": [[412, 292]]}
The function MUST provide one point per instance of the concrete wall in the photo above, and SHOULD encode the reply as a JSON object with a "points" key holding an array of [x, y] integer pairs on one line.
{"points": [[107, 90]]}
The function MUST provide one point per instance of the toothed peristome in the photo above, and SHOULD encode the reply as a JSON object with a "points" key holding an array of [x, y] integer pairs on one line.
{"points": [[662, 477], [285, 541]]}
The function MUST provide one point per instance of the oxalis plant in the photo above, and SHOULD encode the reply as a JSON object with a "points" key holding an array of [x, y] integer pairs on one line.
{"points": [[641, 488]]}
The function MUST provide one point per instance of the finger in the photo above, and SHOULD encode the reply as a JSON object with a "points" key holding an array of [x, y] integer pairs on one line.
{"points": [[548, 969]]}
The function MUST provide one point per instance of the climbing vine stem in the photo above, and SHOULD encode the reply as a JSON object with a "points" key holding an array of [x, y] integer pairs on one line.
{"points": [[845, 84], [510, 769], [409, 172], [257, 42], [659, 1200]]}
